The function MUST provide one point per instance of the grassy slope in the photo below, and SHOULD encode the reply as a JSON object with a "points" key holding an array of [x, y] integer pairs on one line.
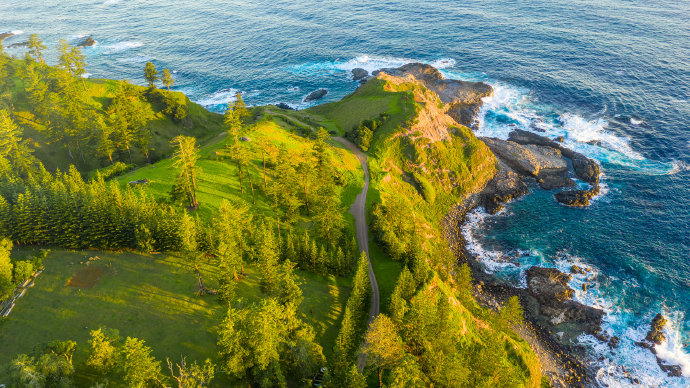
{"points": [[219, 176], [148, 297], [205, 126]]}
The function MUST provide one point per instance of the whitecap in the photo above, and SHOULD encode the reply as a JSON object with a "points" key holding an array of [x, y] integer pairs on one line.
{"points": [[220, 97], [16, 32], [635, 121], [595, 131], [121, 46], [369, 63]]}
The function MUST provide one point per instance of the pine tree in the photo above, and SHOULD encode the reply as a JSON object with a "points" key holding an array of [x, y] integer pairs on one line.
{"points": [[290, 292], [240, 108], [383, 345], [151, 74], [268, 261], [140, 368], [186, 155], [167, 79], [36, 45]]}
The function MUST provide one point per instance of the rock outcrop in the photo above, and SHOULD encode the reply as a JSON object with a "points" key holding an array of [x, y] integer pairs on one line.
{"points": [[553, 305], [504, 186], [316, 95], [87, 42], [359, 74], [542, 162], [462, 99], [285, 106], [584, 168], [5, 35], [656, 336]]}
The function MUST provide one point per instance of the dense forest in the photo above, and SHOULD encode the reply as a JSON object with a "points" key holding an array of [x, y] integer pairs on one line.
{"points": [[281, 217]]}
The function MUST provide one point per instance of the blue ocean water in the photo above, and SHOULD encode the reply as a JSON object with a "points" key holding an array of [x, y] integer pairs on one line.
{"points": [[611, 76]]}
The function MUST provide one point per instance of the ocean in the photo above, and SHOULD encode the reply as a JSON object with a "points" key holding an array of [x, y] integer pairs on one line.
{"points": [[611, 76]]}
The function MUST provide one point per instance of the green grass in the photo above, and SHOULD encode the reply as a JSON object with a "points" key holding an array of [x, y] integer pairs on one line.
{"points": [[150, 297], [203, 124], [219, 177]]}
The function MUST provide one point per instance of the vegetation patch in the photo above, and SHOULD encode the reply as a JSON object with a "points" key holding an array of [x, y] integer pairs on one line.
{"points": [[85, 277]]}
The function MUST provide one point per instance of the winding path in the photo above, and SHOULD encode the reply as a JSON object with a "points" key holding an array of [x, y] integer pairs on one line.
{"points": [[359, 211]]}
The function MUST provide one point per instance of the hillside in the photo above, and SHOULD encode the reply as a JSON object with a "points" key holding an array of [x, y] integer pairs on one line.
{"points": [[73, 133]]}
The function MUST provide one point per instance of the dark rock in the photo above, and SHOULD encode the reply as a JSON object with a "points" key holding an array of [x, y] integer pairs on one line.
{"points": [[87, 42], [584, 286], [656, 334], [576, 198], [577, 270], [559, 139], [549, 285], [316, 95], [462, 98], [550, 289], [671, 370], [614, 342], [285, 106], [505, 186], [245, 139], [5, 35], [139, 182], [19, 44], [359, 74]]}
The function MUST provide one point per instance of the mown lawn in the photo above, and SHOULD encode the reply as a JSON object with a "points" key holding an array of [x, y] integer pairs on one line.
{"points": [[151, 297]]}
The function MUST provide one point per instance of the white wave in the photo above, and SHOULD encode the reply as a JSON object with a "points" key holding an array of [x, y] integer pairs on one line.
{"points": [[121, 46], [16, 32], [583, 131], [635, 121], [369, 63], [86, 75], [293, 89], [220, 97]]}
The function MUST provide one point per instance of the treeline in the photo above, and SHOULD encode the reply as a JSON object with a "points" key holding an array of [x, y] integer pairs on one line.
{"points": [[66, 211], [14, 273], [363, 133], [111, 360], [55, 103]]}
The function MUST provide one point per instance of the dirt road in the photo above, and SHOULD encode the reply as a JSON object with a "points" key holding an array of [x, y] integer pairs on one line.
{"points": [[359, 211]]}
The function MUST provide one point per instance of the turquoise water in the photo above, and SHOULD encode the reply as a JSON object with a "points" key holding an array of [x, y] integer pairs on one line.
{"points": [[611, 76]]}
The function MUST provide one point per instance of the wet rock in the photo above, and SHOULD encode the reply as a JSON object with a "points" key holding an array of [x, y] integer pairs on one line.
{"points": [[359, 74], [577, 270], [575, 198], [656, 334], [285, 106], [87, 42], [559, 139], [614, 342], [671, 370], [584, 287], [316, 95], [462, 98], [19, 44], [549, 287]]}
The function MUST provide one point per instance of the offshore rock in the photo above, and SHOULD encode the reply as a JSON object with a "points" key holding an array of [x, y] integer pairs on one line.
{"points": [[87, 42], [576, 198], [656, 334], [359, 74], [316, 95], [285, 106], [462, 99], [5, 35]]}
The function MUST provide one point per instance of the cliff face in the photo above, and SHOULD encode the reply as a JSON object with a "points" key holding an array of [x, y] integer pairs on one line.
{"points": [[461, 99]]}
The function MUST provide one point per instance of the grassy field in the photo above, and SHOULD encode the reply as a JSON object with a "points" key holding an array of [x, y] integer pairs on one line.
{"points": [[148, 297], [219, 176]]}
